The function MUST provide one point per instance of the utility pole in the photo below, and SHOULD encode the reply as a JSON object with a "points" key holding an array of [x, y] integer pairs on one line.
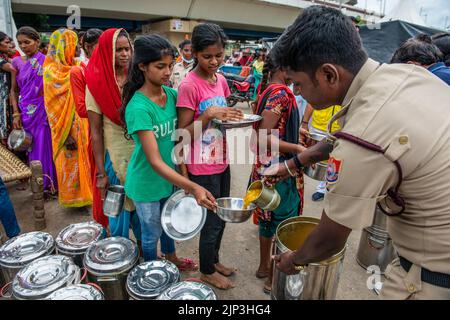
{"points": [[446, 25]]}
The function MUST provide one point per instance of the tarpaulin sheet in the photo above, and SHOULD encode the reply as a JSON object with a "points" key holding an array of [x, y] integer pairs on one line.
{"points": [[381, 41]]}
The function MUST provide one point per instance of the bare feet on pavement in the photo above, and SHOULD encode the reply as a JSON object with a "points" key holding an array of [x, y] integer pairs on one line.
{"points": [[226, 271], [217, 280]]}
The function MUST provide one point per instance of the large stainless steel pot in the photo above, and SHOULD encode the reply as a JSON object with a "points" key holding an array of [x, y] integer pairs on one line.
{"points": [[74, 240], [43, 276], [19, 251], [20, 140], [77, 292], [188, 290], [319, 281], [149, 279], [375, 245], [108, 263]]}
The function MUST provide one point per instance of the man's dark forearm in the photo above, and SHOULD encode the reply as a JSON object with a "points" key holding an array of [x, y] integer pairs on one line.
{"points": [[319, 152]]}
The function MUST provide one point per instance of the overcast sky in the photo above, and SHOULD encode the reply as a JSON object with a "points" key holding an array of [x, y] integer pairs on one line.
{"points": [[437, 10]]}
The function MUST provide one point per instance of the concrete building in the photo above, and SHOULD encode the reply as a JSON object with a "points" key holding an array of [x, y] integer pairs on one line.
{"points": [[241, 19]]}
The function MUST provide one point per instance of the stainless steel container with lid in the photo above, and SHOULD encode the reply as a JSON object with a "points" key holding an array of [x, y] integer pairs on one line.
{"points": [[43, 276], [319, 280], [149, 279], [74, 240], [23, 249], [188, 290], [108, 263], [77, 292]]}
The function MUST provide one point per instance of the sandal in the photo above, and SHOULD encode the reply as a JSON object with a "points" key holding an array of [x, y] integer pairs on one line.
{"points": [[187, 265]]}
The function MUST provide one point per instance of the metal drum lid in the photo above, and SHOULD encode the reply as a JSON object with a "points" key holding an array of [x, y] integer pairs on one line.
{"points": [[148, 280], [21, 250], [181, 217], [188, 290], [43, 276], [76, 238], [77, 292], [111, 256]]}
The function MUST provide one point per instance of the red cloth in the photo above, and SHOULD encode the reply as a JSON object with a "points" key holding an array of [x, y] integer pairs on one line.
{"points": [[100, 77], [78, 84]]}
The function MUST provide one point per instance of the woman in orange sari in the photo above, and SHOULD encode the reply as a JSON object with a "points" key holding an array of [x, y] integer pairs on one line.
{"points": [[69, 132]]}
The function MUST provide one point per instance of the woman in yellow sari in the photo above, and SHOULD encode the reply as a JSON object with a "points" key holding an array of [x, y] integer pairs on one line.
{"points": [[69, 131]]}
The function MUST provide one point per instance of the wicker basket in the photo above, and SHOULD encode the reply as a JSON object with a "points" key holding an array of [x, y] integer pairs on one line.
{"points": [[11, 167]]}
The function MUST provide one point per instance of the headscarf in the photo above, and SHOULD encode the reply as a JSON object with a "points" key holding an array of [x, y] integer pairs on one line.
{"points": [[101, 76], [57, 90]]}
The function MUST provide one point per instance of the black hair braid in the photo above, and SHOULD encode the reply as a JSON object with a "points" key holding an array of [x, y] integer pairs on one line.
{"points": [[266, 74]]}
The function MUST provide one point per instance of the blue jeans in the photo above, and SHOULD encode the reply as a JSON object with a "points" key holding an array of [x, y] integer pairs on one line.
{"points": [[7, 214], [149, 214]]}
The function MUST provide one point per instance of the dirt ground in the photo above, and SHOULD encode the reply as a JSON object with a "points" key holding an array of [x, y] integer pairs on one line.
{"points": [[240, 246]]}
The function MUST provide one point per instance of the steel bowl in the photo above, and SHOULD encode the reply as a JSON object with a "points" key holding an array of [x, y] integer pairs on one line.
{"points": [[232, 210]]}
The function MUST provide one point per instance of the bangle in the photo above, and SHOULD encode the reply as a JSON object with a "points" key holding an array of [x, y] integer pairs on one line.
{"points": [[16, 115], [305, 122], [100, 175], [298, 164], [288, 170]]}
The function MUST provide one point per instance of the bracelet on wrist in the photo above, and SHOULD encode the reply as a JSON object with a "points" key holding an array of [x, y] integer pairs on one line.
{"points": [[100, 175], [298, 164], [288, 170]]}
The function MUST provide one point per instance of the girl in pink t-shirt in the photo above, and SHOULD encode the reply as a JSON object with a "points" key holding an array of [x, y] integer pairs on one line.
{"points": [[201, 98]]}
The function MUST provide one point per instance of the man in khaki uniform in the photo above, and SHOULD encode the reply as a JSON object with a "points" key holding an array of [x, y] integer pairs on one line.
{"points": [[395, 137]]}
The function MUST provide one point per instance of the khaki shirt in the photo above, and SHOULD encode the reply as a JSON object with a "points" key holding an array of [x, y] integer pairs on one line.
{"points": [[119, 148], [179, 72], [406, 110]]}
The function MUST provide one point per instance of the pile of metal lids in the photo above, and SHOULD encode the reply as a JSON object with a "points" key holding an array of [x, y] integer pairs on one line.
{"points": [[76, 238], [77, 292], [149, 279], [188, 290], [111, 256], [43, 276], [21, 250]]}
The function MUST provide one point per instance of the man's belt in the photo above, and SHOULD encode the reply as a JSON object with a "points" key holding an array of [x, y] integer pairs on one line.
{"points": [[435, 278]]}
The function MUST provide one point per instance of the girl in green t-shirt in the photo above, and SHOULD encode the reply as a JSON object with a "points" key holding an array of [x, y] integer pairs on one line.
{"points": [[150, 116]]}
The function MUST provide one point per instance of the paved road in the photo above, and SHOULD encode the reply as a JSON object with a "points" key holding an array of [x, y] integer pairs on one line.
{"points": [[240, 247]]}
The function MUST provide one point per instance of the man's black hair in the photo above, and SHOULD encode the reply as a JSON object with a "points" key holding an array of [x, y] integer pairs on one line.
{"points": [[419, 49], [442, 41], [184, 43], [320, 35]]}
